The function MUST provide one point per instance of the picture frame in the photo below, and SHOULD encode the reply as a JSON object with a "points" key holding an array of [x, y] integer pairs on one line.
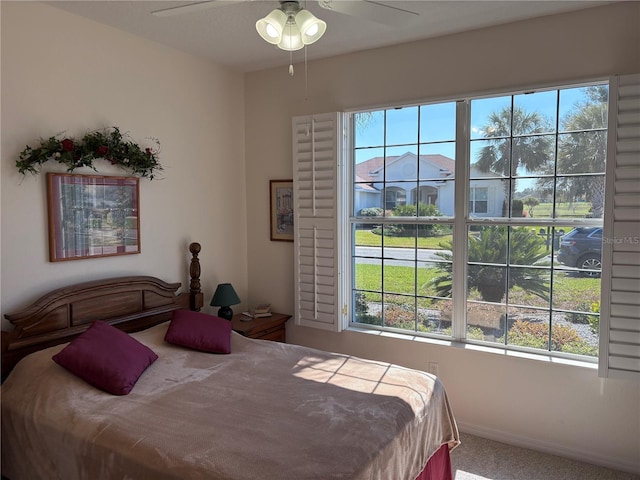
{"points": [[281, 210], [92, 216]]}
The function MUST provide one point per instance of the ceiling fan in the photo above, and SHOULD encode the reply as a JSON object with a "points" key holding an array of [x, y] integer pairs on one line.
{"points": [[292, 27], [375, 11]]}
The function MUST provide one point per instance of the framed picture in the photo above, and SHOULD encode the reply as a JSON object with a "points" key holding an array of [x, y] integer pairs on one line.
{"points": [[91, 216], [281, 210]]}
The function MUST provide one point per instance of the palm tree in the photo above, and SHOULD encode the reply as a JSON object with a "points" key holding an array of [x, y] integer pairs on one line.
{"points": [[584, 150], [490, 247], [529, 150]]}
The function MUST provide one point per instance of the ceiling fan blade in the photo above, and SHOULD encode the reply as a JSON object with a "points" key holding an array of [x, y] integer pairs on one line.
{"points": [[374, 11], [192, 7]]}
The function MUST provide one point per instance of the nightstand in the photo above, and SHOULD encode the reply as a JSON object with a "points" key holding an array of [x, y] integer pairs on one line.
{"points": [[263, 328]]}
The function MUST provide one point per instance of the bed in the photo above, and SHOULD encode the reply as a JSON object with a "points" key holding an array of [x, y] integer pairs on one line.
{"points": [[265, 410]]}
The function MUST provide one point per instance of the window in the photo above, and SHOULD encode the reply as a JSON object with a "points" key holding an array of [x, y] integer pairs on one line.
{"points": [[394, 197], [478, 199], [501, 240]]}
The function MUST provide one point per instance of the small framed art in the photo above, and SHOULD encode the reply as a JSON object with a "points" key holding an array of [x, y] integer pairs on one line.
{"points": [[92, 216], [281, 209]]}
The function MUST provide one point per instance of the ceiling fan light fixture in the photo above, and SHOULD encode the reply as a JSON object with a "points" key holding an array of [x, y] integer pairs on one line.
{"points": [[311, 27], [290, 27], [271, 27]]}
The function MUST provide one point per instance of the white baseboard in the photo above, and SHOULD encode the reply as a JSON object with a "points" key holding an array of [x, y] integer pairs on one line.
{"points": [[594, 458]]}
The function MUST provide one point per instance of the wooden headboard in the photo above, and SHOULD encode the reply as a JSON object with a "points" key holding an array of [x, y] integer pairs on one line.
{"points": [[129, 303]]}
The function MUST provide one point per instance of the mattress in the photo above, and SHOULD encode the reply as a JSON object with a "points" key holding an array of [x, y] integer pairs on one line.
{"points": [[265, 411]]}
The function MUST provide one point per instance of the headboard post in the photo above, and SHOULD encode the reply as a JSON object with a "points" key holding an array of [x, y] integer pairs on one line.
{"points": [[196, 296]]}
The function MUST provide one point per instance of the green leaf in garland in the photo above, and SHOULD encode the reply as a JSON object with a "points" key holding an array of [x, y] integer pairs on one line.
{"points": [[109, 144]]}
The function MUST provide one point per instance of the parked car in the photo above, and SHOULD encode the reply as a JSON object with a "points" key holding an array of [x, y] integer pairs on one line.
{"points": [[582, 248]]}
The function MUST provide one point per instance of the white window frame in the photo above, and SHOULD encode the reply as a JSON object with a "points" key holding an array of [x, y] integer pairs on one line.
{"points": [[464, 187], [619, 320]]}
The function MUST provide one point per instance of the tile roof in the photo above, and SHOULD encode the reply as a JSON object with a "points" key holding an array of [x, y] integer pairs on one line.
{"points": [[365, 171]]}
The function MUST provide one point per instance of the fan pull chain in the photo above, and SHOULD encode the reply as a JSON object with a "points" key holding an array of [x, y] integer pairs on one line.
{"points": [[290, 53], [306, 77]]}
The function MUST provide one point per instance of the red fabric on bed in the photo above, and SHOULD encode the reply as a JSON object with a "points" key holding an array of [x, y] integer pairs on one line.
{"points": [[199, 331], [438, 467], [106, 358]]}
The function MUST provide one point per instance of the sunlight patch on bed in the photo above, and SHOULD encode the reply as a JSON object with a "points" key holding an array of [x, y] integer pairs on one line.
{"points": [[356, 374]]}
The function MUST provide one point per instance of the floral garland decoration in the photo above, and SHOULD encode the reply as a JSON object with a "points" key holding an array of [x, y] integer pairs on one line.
{"points": [[108, 143]]}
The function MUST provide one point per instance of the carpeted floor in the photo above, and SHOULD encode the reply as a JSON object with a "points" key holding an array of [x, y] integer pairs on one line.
{"points": [[480, 459]]}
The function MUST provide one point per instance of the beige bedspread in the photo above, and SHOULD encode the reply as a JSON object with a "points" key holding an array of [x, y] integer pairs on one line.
{"points": [[266, 411]]}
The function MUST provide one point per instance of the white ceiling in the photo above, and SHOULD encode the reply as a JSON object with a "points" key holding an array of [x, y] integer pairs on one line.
{"points": [[226, 33]]}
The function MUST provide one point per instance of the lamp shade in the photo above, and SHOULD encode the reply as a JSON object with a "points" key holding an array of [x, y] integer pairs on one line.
{"points": [[224, 296], [270, 27], [291, 39], [311, 28]]}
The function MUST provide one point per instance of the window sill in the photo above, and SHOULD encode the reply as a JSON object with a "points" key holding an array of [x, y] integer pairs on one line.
{"points": [[495, 350]]}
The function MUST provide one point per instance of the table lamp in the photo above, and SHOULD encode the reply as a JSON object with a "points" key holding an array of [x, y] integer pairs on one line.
{"points": [[225, 295]]}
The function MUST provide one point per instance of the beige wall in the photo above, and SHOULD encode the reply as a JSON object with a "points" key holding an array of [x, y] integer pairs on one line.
{"points": [[63, 72], [558, 407]]}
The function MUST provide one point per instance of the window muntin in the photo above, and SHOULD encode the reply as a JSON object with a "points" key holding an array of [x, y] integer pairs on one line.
{"points": [[533, 158]]}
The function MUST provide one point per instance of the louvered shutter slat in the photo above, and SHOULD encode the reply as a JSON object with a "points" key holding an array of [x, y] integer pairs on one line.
{"points": [[315, 160], [620, 304]]}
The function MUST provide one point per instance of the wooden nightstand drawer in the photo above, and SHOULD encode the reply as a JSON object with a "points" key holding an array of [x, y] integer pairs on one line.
{"points": [[265, 328], [275, 335]]}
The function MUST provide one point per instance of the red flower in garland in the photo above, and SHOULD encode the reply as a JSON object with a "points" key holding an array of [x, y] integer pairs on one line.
{"points": [[102, 150], [107, 143], [67, 145]]}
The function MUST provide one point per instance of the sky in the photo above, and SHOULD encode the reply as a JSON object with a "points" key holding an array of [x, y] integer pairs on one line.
{"points": [[435, 123]]}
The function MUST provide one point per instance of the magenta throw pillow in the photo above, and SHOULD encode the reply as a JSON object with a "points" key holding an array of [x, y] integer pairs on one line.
{"points": [[199, 331], [107, 358]]}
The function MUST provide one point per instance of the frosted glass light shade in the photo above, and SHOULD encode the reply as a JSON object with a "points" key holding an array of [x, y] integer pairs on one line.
{"points": [[270, 28], [291, 39], [311, 28]]}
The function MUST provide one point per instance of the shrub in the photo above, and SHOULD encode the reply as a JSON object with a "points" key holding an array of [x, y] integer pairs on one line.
{"points": [[399, 316], [423, 210], [390, 231], [589, 313], [517, 208], [531, 202], [594, 320], [362, 310], [408, 230], [489, 246], [361, 303], [581, 316], [563, 338], [371, 212]]}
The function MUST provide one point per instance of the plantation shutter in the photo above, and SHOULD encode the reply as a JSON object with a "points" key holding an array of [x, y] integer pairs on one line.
{"points": [[315, 161], [620, 305]]}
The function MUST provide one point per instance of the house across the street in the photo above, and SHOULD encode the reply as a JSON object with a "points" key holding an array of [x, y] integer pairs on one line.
{"points": [[431, 182]]}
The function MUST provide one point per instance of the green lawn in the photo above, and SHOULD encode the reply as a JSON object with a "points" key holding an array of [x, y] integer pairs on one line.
{"points": [[365, 238], [571, 210], [570, 292], [396, 279]]}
